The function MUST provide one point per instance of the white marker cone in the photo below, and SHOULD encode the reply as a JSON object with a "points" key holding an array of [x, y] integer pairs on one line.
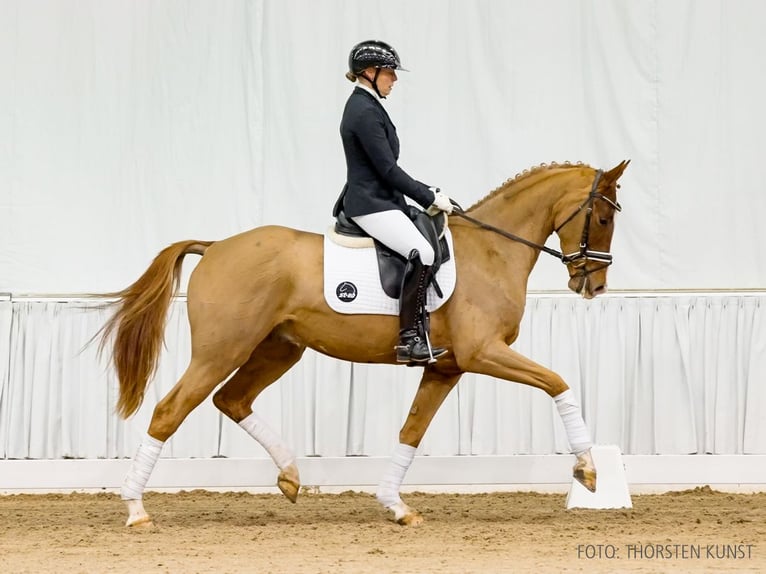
{"points": [[611, 486]]}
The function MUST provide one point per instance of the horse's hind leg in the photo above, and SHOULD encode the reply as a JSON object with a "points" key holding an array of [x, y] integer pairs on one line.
{"points": [[269, 361], [200, 378], [433, 389]]}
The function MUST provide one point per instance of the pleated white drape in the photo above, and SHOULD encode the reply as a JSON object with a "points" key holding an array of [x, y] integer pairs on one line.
{"points": [[655, 375]]}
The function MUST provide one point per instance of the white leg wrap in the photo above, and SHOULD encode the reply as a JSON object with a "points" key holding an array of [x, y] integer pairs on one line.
{"points": [[268, 439], [141, 468], [388, 489], [577, 432]]}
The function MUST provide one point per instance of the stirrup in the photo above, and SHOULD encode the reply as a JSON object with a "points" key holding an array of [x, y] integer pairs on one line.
{"points": [[413, 349]]}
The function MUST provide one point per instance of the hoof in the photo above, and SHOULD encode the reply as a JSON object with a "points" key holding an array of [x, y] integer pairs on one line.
{"points": [[406, 516], [289, 482], [414, 518], [143, 523], [137, 516], [584, 471]]}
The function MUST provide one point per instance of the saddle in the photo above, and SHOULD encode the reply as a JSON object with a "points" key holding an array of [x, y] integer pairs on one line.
{"points": [[390, 263]]}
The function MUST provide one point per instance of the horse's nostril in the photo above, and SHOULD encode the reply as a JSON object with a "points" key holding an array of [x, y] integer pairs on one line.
{"points": [[600, 290]]}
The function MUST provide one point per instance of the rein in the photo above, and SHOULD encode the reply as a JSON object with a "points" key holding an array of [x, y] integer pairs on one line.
{"points": [[584, 254], [460, 213]]}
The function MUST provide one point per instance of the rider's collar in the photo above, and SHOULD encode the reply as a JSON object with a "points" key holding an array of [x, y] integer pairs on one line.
{"points": [[368, 89]]}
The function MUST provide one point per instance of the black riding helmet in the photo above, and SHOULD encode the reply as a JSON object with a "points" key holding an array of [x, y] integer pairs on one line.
{"points": [[373, 54]]}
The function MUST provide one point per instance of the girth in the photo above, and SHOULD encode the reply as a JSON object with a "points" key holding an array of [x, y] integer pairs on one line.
{"points": [[390, 263]]}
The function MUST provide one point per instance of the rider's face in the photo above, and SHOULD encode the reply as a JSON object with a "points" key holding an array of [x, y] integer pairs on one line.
{"points": [[386, 79]]}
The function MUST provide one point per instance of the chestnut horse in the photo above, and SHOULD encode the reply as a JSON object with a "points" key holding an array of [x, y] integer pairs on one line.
{"points": [[255, 302]]}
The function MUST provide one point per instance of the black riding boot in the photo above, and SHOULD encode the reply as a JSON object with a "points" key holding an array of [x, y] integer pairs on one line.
{"points": [[413, 346]]}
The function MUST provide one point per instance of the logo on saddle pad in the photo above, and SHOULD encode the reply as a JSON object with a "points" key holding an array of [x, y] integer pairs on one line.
{"points": [[346, 291]]}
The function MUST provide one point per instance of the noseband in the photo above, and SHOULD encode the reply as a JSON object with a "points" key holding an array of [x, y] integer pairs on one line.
{"points": [[579, 258]]}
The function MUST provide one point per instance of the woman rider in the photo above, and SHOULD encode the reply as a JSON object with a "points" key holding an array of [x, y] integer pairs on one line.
{"points": [[373, 196]]}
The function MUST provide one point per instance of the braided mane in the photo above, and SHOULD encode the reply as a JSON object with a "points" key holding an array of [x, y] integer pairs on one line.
{"points": [[524, 175]]}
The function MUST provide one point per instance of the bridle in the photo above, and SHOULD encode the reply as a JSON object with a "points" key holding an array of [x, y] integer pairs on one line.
{"points": [[579, 258]]}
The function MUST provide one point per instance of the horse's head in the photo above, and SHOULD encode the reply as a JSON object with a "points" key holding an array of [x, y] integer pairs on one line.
{"points": [[585, 230]]}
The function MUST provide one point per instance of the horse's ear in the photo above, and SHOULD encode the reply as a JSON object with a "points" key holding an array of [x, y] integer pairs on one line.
{"points": [[614, 174]]}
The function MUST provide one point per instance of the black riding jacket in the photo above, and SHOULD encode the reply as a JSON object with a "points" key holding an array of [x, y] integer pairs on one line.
{"points": [[374, 181]]}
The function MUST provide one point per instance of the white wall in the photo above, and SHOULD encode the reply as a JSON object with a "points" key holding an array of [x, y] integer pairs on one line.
{"points": [[125, 125]]}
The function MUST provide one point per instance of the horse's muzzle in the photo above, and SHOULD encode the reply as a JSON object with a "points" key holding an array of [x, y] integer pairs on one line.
{"points": [[587, 286]]}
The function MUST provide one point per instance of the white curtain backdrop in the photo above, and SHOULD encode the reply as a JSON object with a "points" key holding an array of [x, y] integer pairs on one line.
{"points": [[127, 125], [654, 374]]}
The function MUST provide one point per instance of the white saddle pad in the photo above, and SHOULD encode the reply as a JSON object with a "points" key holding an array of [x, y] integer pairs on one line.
{"points": [[352, 280]]}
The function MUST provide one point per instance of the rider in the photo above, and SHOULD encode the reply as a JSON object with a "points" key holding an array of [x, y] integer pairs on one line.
{"points": [[373, 196]]}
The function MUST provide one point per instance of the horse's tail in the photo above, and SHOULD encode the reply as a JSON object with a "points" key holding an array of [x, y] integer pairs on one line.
{"points": [[138, 325]]}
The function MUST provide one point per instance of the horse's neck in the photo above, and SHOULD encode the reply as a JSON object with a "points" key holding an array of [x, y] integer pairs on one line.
{"points": [[524, 208], [527, 208]]}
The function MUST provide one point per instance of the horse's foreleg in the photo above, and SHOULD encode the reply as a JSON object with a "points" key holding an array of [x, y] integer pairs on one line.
{"points": [[433, 389], [498, 360], [579, 438], [195, 384], [269, 361]]}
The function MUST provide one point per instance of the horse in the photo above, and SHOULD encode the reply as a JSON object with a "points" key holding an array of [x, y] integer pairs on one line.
{"points": [[255, 303]]}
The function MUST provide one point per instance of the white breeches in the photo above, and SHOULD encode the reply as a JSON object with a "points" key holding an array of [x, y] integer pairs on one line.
{"points": [[395, 230]]}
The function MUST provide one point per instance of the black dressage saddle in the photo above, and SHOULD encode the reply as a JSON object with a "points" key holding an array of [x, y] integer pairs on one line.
{"points": [[391, 264]]}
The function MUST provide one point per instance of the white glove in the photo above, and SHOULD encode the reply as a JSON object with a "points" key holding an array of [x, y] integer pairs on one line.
{"points": [[441, 202]]}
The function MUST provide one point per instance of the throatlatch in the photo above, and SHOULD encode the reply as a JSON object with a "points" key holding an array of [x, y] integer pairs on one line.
{"points": [[414, 345]]}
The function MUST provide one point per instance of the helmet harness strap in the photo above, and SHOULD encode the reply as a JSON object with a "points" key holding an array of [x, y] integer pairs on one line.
{"points": [[374, 83]]}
